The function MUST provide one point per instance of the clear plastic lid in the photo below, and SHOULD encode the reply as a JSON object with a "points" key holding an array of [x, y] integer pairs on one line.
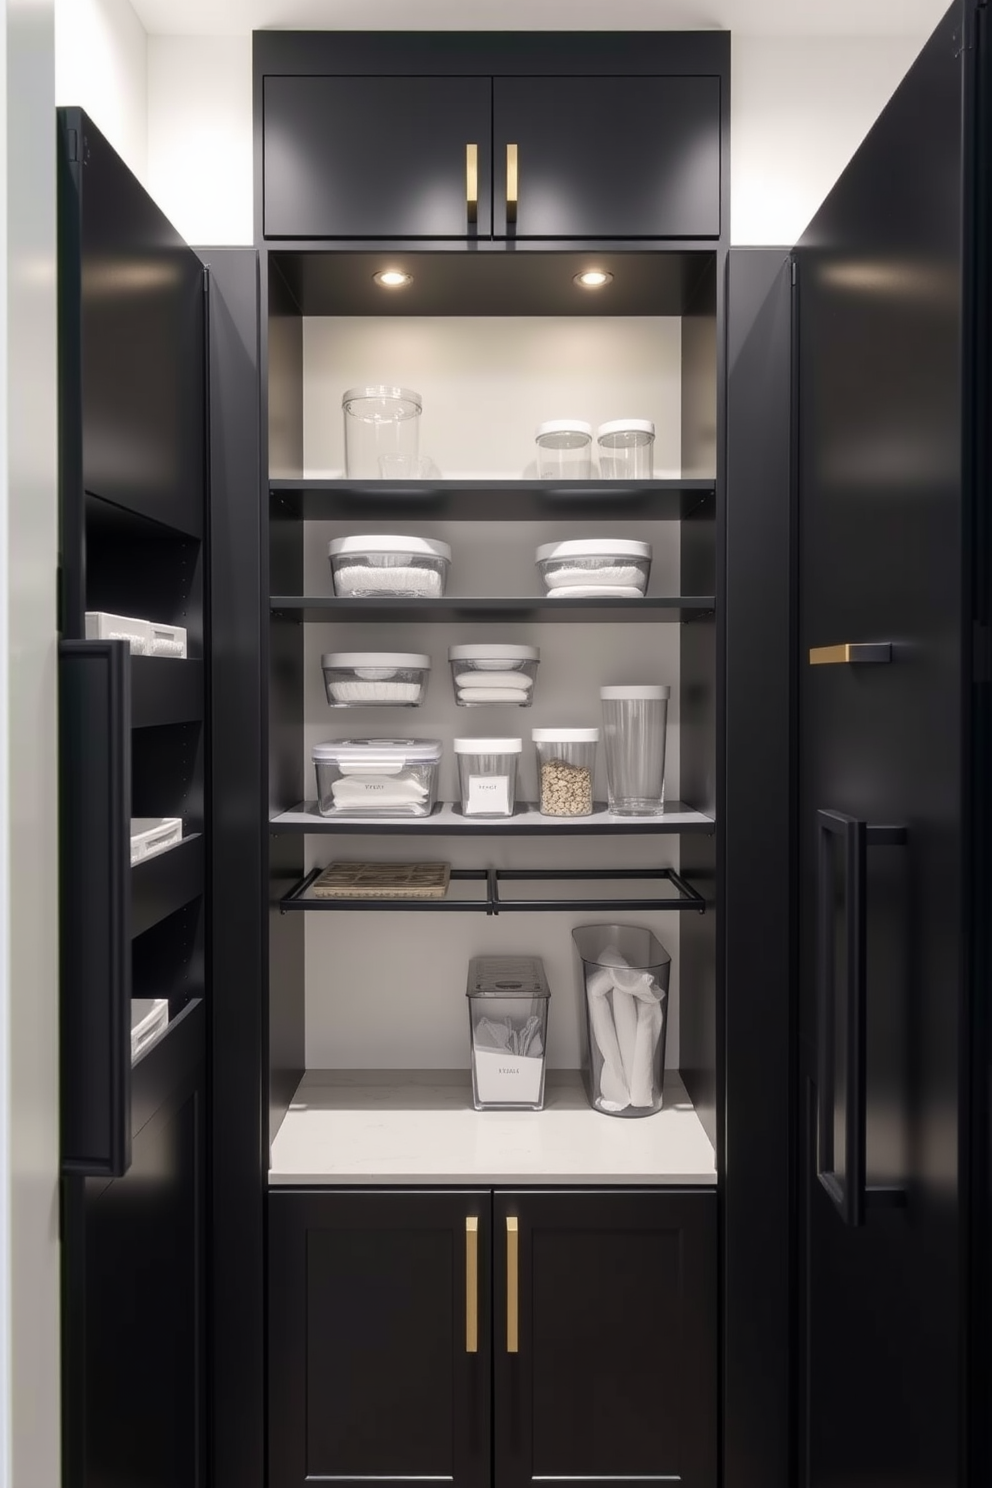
{"points": [[389, 543], [565, 735], [408, 403], [507, 976], [618, 431], [564, 434], [493, 652], [594, 547], [488, 746], [636, 694], [408, 659], [355, 751]]}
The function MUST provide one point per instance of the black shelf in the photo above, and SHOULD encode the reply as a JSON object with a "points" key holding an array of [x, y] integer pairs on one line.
{"points": [[110, 517], [164, 883], [447, 820], [489, 900], [473, 608], [492, 500], [165, 690]]}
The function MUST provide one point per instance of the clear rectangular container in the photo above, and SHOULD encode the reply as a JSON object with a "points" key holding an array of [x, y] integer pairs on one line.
{"points": [[508, 999], [487, 675], [487, 775], [375, 679], [635, 723], [566, 760], [379, 421], [625, 973], [377, 567], [595, 568], [377, 777]]}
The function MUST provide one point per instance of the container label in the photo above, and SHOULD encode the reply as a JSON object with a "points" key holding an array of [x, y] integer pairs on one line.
{"points": [[488, 795], [508, 1077]]}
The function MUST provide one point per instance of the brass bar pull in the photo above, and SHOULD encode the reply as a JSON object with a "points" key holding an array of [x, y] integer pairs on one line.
{"points": [[471, 1285], [512, 1285], [850, 653], [511, 183], [472, 182]]}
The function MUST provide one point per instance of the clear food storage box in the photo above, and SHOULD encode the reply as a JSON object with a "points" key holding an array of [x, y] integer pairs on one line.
{"points": [[494, 673], [407, 567], [566, 760], [625, 972], [564, 450], [380, 422], [375, 679], [377, 777], [626, 449], [595, 567], [487, 775], [508, 999]]}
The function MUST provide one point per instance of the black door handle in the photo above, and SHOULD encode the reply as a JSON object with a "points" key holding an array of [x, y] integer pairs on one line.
{"points": [[848, 1190]]}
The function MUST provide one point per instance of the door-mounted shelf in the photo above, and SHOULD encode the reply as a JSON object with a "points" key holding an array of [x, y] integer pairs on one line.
{"points": [[483, 890]]}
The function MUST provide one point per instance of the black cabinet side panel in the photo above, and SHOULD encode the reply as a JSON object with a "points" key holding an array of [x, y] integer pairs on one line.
{"points": [[238, 794], [757, 846]]}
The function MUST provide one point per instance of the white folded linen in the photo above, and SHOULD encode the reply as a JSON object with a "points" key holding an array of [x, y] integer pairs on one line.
{"points": [[610, 575], [614, 1095], [362, 578], [379, 792], [491, 695], [595, 591], [494, 679]]}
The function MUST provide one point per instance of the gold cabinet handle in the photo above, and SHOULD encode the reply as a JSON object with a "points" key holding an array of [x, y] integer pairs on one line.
{"points": [[512, 1285], [511, 183], [472, 182], [851, 653], [471, 1285]]}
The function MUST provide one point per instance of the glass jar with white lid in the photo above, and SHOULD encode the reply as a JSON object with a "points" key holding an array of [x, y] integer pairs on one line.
{"points": [[564, 449], [626, 449]]}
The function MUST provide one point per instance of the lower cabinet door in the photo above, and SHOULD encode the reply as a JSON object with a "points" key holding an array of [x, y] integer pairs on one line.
{"points": [[605, 1338], [380, 1338]]}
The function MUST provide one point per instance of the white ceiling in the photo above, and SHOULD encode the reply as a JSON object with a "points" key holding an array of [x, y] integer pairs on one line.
{"points": [[748, 17]]}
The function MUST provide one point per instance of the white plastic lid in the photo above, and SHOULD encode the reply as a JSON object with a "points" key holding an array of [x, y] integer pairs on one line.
{"points": [[488, 746], [375, 659], [389, 543], [564, 426], [636, 694], [382, 390], [594, 547], [565, 736], [492, 652], [356, 750], [626, 426]]}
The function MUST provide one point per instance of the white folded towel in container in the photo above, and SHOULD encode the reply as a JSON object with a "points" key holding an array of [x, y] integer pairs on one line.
{"points": [[628, 1039], [382, 792]]}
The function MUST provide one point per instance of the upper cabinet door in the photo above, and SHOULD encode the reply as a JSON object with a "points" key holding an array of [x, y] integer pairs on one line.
{"points": [[368, 157], [607, 157]]}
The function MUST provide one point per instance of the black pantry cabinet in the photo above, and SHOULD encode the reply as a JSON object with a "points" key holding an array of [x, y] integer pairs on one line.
{"points": [[555, 1335]]}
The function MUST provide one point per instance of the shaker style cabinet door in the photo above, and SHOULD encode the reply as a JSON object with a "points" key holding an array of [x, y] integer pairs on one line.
{"points": [[379, 1338], [606, 157], [605, 1338], [366, 157]]}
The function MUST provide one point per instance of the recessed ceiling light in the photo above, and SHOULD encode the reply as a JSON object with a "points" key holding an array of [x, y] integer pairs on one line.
{"points": [[593, 279], [392, 278]]}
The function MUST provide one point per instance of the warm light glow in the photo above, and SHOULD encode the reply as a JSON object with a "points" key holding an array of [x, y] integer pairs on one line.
{"points": [[392, 278], [593, 279]]}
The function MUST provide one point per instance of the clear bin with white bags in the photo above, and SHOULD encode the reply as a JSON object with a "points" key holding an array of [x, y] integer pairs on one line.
{"points": [[625, 972], [508, 1000]]}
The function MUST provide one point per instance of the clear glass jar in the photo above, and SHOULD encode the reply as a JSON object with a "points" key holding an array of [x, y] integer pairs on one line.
{"points": [[564, 450], [508, 999], [379, 420], [625, 972], [626, 449], [487, 775], [377, 777], [388, 565], [566, 760], [375, 679], [635, 723], [595, 568], [491, 674]]}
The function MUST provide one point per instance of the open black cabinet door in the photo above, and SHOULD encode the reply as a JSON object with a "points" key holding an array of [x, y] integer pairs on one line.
{"points": [[133, 498], [889, 598]]}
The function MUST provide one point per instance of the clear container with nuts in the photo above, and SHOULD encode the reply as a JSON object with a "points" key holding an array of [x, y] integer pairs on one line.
{"points": [[566, 759]]}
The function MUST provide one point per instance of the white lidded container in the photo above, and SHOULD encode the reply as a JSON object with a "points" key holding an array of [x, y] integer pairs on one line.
{"points": [[376, 777], [379, 420], [149, 1017], [564, 450], [375, 679], [626, 449], [153, 834], [508, 999], [377, 567], [595, 568], [487, 775], [494, 673], [566, 760]]}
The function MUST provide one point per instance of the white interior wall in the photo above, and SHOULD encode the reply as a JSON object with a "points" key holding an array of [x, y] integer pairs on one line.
{"points": [[101, 65]]}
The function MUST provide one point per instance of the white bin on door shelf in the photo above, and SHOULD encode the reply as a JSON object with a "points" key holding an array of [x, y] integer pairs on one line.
{"points": [[149, 1015], [145, 637], [153, 834]]}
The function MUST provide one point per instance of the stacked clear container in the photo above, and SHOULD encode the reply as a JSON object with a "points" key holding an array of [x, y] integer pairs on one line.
{"points": [[508, 1000], [375, 679], [493, 673], [625, 972], [387, 565], [380, 422], [377, 777], [487, 775], [595, 568], [566, 761]]}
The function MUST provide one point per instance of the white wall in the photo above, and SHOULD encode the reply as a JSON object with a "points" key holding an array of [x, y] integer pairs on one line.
{"points": [[29, 1150], [101, 65]]}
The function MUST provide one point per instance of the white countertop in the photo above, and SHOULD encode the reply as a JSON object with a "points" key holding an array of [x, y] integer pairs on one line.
{"points": [[418, 1126]]}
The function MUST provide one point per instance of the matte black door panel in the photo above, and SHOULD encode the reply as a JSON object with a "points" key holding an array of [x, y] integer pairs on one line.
{"points": [[609, 157], [615, 1375], [367, 157], [370, 1375]]}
